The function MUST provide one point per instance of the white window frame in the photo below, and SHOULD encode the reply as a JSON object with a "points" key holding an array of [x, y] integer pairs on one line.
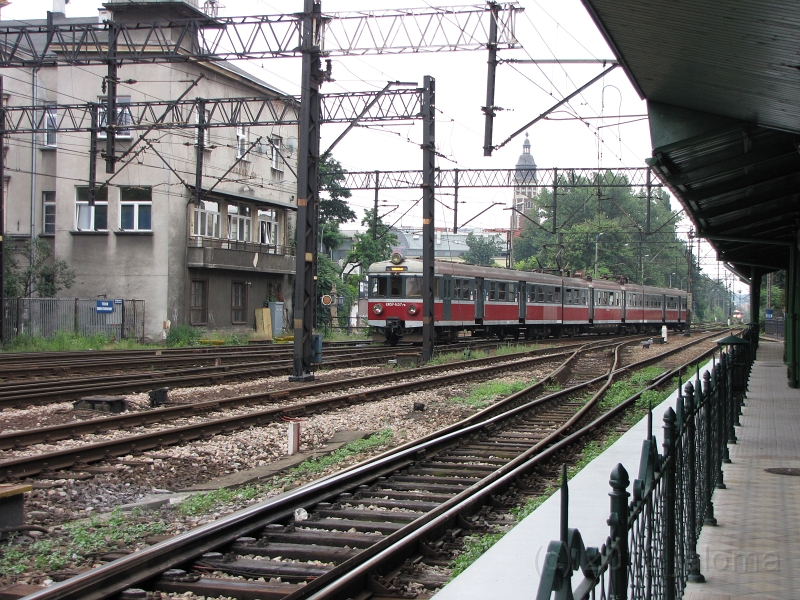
{"points": [[92, 218], [240, 224], [242, 142], [50, 126], [204, 220], [124, 117], [136, 204], [48, 201], [271, 221], [275, 156]]}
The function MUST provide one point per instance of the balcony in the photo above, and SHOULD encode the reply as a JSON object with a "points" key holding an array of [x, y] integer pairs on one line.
{"points": [[208, 253]]}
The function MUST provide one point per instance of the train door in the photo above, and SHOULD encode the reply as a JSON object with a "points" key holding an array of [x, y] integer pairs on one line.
{"points": [[591, 304], [522, 292], [624, 304], [479, 298], [663, 308], [447, 297]]}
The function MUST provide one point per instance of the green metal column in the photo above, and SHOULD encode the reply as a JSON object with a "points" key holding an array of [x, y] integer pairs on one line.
{"points": [[755, 295], [790, 326]]}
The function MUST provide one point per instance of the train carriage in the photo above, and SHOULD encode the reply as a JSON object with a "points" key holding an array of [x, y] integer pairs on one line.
{"points": [[490, 301]]}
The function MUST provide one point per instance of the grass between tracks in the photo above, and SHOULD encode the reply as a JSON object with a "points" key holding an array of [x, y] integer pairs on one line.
{"points": [[476, 545], [484, 394], [76, 542]]}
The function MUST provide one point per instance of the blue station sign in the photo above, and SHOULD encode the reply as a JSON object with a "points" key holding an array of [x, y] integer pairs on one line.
{"points": [[105, 306]]}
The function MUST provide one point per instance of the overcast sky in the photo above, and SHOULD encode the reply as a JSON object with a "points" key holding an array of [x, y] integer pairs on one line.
{"points": [[546, 29]]}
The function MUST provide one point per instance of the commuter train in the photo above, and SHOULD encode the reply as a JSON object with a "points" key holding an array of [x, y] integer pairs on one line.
{"points": [[490, 301]]}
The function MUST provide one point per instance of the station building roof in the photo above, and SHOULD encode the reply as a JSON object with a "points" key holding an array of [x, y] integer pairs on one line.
{"points": [[722, 82]]}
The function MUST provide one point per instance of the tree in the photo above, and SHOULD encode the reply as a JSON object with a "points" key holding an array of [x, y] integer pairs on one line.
{"points": [[374, 245], [37, 277], [482, 250], [332, 205]]}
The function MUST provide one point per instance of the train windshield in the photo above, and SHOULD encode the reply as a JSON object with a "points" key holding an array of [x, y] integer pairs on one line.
{"points": [[414, 287], [378, 287]]}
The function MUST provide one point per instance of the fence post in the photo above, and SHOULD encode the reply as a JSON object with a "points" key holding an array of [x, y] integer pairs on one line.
{"points": [[713, 462], [729, 397], [618, 521], [693, 559], [669, 504]]}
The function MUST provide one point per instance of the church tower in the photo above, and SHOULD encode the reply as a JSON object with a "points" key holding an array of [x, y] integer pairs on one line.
{"points": [[524, 179]]}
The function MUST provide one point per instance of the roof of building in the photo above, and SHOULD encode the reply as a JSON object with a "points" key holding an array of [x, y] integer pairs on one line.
{"points": [[721, 79]]}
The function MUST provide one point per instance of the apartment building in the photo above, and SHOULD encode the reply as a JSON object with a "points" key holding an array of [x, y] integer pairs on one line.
{"points": [[208, 264]]}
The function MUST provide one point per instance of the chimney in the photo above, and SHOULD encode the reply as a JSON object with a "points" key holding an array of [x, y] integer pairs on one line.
{"points": [[59, 6]]}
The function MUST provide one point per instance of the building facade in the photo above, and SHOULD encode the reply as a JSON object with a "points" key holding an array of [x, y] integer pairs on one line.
{"points": [[208, 264]]}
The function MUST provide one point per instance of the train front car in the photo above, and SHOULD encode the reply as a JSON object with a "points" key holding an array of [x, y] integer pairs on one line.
{"points": [[395, 300]]}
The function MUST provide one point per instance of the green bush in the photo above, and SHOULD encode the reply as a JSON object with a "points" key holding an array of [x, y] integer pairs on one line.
{"points": [[182, 335]]}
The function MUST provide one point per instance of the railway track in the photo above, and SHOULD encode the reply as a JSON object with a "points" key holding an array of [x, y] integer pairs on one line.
{"points": [[49, 390], [367, 532], [581, 363], [17, 394]]}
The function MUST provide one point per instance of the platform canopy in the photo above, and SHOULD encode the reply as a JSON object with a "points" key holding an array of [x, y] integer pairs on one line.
{"points": [[722, 83]]}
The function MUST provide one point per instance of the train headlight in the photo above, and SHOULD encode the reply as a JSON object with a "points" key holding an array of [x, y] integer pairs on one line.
{"points": [[412, 309], [396, 258], [377, 309]]}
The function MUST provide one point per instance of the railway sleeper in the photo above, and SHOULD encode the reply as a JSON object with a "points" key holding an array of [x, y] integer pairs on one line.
{"points": [[329, 554], [365, 514], [384, 528], [425, 496], [425, 479], [229, 588], [461, 473], [248, 567], [416, 487], [292, 535], [418, 505]]}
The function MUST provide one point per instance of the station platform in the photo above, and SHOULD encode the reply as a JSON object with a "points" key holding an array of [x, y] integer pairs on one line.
{"points": [[750, 554]]}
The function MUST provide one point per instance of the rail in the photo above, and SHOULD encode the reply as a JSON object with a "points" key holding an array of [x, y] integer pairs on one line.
{"points": [[225, 244], [651, 551]]}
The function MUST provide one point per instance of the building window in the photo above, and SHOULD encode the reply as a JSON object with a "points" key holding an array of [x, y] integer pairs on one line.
{"points": [[50, 126], [135, 208], [49, 213], [275, 146], [238, 302], [91, 218], [267, 226], [124, 118], [206, 219], [239, 222], [242, 142], [198, 311]]}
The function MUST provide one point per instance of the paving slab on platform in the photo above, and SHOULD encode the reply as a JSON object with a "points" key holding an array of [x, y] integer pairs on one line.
{"points": [[511, 568], [754, 552]]}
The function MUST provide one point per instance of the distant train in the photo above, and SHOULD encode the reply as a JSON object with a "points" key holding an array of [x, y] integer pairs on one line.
{"points": [[489, 301]]}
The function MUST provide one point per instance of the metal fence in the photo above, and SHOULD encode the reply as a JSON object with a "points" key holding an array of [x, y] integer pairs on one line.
{"points": [[774, 327], [44, 317], [651, 552]]}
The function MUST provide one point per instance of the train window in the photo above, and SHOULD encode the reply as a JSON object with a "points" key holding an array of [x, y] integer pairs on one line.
{"points": [[557, 295], [617, 298], [378, 287], [531, 292], [457, 293], [502, 290], [414, 286], [540, 293], [395, 286], [492, 290], [512, 296], [549, 293], [437, 287], [567, 296]]}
